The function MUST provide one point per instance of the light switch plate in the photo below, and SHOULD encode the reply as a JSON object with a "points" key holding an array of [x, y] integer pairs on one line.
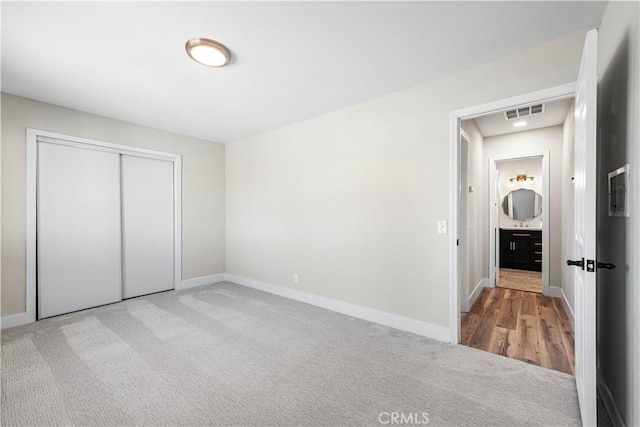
{"points": [[442, 227]]}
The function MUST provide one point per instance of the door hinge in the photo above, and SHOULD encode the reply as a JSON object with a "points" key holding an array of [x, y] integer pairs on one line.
{"points": [[457, 242], [591, 265]]}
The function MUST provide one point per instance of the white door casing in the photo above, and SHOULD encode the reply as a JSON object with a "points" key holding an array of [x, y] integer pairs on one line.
{"points": [[585, 230], [495, 207]]}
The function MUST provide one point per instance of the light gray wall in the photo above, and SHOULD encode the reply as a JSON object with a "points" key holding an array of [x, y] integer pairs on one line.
{"points": [[350, 200], [567, 216], [618, 58], [203, 230], [523, 143]]}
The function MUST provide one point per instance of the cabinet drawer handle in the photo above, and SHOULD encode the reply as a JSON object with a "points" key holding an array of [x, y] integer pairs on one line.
{"points": [[522, 234], [538, 244], [538, 253], [538, 260]]}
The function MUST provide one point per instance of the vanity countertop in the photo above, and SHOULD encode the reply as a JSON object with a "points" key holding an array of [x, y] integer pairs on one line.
{"points": [[521, 228]]}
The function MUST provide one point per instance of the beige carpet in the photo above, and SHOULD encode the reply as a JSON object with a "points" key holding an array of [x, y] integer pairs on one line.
{"points": [[229, 355]]}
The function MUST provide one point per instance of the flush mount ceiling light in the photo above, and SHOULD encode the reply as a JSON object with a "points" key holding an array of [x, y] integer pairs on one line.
{"points": [[208, 52]]}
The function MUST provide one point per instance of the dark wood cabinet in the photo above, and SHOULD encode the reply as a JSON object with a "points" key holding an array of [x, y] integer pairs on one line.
{"points": [[521, 249]]}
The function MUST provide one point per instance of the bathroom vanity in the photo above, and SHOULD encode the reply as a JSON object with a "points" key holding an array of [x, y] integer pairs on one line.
{"points": [[521, 248]]}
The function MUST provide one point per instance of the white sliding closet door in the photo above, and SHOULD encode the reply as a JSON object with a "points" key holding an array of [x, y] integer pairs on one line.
{"points": [[147, 226], [78, 220]]}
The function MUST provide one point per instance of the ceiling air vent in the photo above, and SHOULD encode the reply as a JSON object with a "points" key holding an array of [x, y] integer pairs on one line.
{"points": [[524, 111]]}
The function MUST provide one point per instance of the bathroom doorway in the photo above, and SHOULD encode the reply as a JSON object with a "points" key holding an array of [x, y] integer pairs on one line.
{"points": [[520, 222]]}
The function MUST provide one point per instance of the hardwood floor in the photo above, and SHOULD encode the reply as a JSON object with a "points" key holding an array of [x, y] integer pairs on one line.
{"points": [[521, 325], [529, 281]]}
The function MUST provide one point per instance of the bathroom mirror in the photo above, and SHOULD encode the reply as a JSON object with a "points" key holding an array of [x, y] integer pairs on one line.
{"points": [[522, 204]]}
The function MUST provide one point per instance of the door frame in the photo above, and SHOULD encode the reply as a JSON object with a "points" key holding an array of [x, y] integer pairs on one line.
{"points": [[455, 118], [31, 199], [463, 218], [494, 221]]}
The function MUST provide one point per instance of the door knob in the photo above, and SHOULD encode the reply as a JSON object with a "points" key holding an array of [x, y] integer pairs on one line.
{"points": [[606, 265], [579, 263]]}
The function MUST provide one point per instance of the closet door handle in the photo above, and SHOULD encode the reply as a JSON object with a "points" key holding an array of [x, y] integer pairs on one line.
{"points": [[522, 234]]}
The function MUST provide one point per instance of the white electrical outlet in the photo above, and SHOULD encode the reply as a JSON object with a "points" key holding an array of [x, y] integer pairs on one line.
{"points": [[442, 227], [296, 278]]}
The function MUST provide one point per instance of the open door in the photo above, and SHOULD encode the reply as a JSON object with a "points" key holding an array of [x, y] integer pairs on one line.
{"points": [[585, 231]]}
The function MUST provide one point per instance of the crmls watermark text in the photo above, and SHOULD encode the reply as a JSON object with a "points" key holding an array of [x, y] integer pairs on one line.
{"points": [[400, 418]]}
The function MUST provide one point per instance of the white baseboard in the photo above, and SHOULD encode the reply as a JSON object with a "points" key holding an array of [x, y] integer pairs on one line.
{"points": [[483, 283], [558, 292], [607, 399], [554, 292], [429, 330], [418, 327], [200, 281], [19, 319], [568, 309]]}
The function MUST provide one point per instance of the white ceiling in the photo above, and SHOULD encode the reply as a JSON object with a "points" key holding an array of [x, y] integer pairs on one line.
{"points": [[292, 60], [495, 124]]}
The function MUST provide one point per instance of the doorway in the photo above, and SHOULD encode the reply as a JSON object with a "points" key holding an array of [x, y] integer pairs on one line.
{"points": [[520, 219], [509, 286], [583, 196]]}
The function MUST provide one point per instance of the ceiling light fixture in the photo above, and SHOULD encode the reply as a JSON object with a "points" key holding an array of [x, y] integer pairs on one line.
{"points": [[208, 52], [519, 124]]}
